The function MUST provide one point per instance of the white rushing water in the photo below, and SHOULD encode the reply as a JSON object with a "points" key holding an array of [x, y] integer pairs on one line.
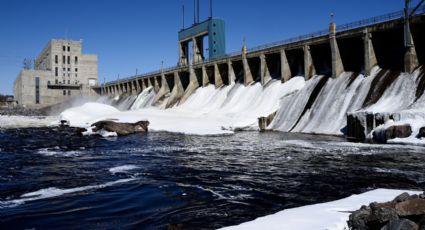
{"points": [[220, 111], [207, 111]]}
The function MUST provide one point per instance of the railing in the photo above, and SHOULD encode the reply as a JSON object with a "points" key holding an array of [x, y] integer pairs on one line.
{"points": [[341, 28]]}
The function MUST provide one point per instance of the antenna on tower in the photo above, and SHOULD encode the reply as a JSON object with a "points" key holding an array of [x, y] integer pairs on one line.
{"points": [[183, 17], [194, 11], [197, 2], [211, 11]]}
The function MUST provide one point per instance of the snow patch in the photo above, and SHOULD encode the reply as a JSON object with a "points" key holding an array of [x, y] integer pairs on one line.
{"points": [[331, 215]]}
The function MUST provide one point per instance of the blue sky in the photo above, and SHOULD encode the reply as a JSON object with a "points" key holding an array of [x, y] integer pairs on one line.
{"points": [[130, 34]]}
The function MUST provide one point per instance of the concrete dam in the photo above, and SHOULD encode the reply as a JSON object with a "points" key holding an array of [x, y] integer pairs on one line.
{"points": [[308, 84]]}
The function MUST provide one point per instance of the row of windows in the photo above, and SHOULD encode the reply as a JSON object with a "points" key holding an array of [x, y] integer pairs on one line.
{"points": [[65, 70], [64, 82], [64, 48], [66, 59], [69, 92]]}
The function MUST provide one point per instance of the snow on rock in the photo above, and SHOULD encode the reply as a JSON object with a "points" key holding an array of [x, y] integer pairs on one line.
{"points": [[331, 215], [82, 116]]}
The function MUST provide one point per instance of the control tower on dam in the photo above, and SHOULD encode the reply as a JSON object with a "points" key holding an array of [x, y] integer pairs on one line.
{"points": [[394, 41]]}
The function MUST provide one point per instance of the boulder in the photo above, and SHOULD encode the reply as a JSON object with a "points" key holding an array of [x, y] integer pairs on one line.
{"points": [[421, 132], [121, 129], [404, 212], [398, 131], [401, 224], [382, 135], [411, 207]]}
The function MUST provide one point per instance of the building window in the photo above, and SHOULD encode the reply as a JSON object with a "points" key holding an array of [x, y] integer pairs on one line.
{"points": [[69, 75], [56, 59], [63, 48], [63, 59], [37, 90], [76, 69], [76, 75], [56, 71], [69, 60], [69, 82], [76, 60], [56, 81], [64, 92], [69, 92], [69, 49], [69, 69], [63, 74]]}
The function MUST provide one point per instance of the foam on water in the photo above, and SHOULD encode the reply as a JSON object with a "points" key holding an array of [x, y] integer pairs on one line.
{"points": [[57, 152], [56, 192], [122, 169]]}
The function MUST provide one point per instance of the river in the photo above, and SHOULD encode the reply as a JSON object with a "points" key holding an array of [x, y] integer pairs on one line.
{"points": [[52, 178]]}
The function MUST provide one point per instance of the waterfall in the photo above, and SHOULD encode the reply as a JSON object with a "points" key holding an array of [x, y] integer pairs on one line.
{"points": [[319, 105], [144, 99]]}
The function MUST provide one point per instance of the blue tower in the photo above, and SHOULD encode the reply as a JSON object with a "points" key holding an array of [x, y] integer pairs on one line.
{"points": [[194, 35]]}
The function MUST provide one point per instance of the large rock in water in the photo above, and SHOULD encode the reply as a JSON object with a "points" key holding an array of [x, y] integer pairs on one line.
{"points": [[405, 212], [395, 131], [121, 129], [421, 132]]}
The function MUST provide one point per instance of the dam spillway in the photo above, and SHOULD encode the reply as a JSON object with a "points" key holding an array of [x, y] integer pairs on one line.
{"points": [[359, 68], [355, 47]]}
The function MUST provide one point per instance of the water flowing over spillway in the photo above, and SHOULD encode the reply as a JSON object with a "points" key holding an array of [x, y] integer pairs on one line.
{"points": [[319, 105]]}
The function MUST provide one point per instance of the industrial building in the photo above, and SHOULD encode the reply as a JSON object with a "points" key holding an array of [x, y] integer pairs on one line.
{"points": [[61, 72]]}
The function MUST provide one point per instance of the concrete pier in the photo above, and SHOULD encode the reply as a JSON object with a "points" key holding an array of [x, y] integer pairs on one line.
{"points": [[309, 70], [284, 69], [217, 77], [370, 60], [265, 73], [248, 79], [177, 92], [337, 67]]}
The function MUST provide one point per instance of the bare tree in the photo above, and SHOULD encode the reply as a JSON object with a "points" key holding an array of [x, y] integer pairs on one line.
{"points": [[28, 63]]}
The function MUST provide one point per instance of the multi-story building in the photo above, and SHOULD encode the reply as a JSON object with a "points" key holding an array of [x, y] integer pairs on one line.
{"points": [[61, 72]]}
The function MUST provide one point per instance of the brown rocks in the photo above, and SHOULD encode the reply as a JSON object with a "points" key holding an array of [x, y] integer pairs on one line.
{"points": [[121, 129], [411, 207], [405, 212]]}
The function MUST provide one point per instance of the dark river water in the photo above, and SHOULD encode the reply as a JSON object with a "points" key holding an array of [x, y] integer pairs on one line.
{"points": [[51, 178]]}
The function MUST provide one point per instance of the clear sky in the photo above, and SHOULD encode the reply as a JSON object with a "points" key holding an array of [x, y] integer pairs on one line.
{"points": [[130, 34]]}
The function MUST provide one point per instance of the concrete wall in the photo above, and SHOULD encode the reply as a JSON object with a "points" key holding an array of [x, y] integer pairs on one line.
{"points": [[62, 69]]}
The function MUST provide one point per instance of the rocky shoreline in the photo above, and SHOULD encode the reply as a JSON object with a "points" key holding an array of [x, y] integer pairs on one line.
{"points": [[405, 212]]}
